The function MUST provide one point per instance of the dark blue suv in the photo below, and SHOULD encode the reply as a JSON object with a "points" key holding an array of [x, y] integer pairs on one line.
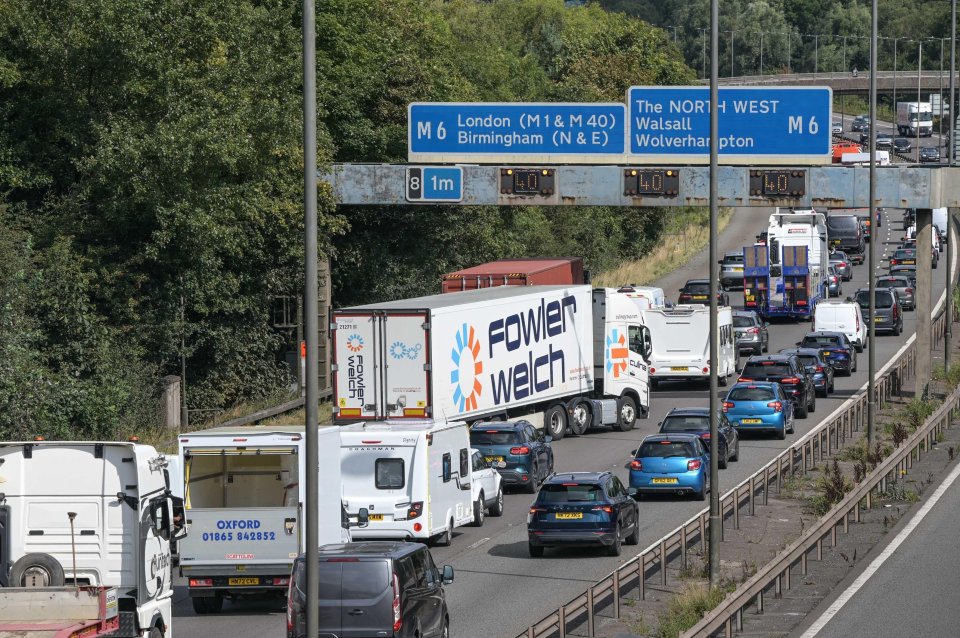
{"points": [[583, 508], [521, 453]]}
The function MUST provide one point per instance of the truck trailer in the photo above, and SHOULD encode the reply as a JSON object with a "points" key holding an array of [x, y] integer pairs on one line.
{"points": [[533, 271], [58, 612], [244, 495], [110, 501], [787, 277], [568, 351]]}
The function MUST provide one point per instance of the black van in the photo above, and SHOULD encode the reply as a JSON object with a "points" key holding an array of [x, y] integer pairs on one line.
{"points": [[846, 234], [373, 588]]}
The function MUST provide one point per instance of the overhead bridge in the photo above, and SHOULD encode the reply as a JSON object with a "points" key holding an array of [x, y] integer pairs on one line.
{"points": [[846, 83], [901, 186]]}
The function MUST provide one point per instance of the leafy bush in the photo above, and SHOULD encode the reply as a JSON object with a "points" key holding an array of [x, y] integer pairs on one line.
{"points": [[688, 607]]}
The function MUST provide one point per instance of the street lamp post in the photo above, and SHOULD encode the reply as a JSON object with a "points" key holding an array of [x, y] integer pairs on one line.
{"points": [[731, 51], [816, 54], [761, 56], [871, 268], [895, 72], [715, 518]]}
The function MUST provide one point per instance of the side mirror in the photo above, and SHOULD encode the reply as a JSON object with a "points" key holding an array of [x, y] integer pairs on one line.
{"points": [[447, 574], [799, 342], [363, 517], [632, 492], [548, 439], [160, 518]]}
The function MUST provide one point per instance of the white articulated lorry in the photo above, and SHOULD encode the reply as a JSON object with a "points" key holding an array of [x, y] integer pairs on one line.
{"points": [[914, 118], [577, 354], [100, 513], [244, 503]]}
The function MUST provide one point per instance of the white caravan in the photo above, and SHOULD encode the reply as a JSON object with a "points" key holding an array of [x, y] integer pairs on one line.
{"points": [[245, 501], [644, 296], [681, 343], [109, 500], [413, 478]]}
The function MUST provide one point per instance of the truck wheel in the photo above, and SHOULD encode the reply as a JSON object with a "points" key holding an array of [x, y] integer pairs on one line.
{"points": [[628, 414], [37, 570], [581, 418], [155, 633], [555, 422]]}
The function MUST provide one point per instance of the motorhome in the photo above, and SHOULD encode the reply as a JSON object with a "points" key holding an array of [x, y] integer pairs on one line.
{"points": [[111, 502], [244, 495], [681, 343], [644, 296], [413, 478]]}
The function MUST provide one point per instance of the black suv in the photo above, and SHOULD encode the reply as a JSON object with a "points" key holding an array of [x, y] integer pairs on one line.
{"points": [[846, 234], [790, 373], [373, 588]]}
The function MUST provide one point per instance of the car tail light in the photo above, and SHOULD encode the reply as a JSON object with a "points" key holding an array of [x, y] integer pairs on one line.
{"points": [[705, 435], [727, 405], [909, 291], [397, 618], [819, 368], [693, 465], [790, 380], [535, 510], [520, 451], [416, 509], [635, 464], [201, 582], [754, 330], [776, 405], [894, 262], [290, 607], [603, 508], [282, 580], [743, 379]]}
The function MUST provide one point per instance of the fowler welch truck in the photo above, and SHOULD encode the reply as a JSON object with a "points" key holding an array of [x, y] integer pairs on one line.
{"points": [[787, 276], [109, 500], [244, 496], [579, 355]]}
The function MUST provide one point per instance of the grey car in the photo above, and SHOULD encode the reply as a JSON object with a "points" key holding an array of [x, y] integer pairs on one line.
{"points": [[731, 270], [904, 288], [902, 145], [750, 331], [888, 316], [885, 141], [840, 261], [834, 282], [861, 123], [929, 154]]}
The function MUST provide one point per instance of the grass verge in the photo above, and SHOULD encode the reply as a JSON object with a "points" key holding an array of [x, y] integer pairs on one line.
{"points": [[688, 607], [681, 240]]}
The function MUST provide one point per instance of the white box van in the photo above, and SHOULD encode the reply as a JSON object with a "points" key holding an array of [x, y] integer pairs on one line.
{"points": [[413, 478], [841, 316]]}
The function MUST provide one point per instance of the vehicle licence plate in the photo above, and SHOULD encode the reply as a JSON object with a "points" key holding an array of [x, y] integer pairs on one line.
{"points": [[877, 319], [751, 420], [679, 368], [738, 269], [664, 481], [749, 297], [699, 296], [375, 517], [568, 515], [493, 459], [243, 581], [910, 262]]}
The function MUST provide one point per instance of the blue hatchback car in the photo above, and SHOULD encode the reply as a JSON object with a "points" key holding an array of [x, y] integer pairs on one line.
{"points": [[583, 508], [759, 406], [518, 451], [672, 464]]}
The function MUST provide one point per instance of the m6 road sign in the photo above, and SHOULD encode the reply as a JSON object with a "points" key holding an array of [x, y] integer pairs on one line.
{"points": [[434, 184]]}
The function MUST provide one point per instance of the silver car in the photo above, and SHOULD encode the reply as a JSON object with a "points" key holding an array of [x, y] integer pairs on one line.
{"points": [[904, 288], [842, 263], [750, 331], [731, 270], [888, 316], [834, 282]]}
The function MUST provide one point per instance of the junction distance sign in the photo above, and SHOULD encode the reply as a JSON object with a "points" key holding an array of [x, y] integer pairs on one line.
{"points": [[769, 125], [493, 133]]}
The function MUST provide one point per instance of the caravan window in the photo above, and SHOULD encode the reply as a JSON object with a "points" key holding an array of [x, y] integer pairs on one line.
{"points": [[447, 467], [389, 474], [464, 463]]}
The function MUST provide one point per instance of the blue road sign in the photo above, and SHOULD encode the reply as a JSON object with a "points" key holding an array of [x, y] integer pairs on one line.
{"points": [[518, 132], [756, 125], [434, 184]]}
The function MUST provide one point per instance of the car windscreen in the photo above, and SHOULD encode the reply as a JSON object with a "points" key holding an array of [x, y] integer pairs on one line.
{"points": [[765, 368], [808, 360], [892, 282], [687, 423], [733, 259], [494, 437], [883, 299], [751, 394], [698, 289], [665, 449], [742, 322], [819, 342], [570, 493]]}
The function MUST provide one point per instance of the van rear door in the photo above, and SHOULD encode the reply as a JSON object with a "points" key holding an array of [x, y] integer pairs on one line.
{"points": [[366, 593]]}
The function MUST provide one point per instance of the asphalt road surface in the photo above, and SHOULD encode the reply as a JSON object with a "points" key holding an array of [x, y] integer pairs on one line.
{"points": [[499, 590], [888, 127], [911, 593]]}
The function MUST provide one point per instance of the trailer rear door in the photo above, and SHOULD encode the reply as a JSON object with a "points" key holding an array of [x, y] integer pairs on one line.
{"points": [[406, 355], [355, 366]]}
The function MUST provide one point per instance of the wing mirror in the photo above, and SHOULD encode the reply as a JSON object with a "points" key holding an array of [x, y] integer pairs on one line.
{"points": [[447, 574], [363, 517]]}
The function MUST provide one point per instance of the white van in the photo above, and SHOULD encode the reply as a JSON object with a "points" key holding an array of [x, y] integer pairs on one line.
{"points": [[841, 316], [645, 296], [681, 343], [413, 477]]}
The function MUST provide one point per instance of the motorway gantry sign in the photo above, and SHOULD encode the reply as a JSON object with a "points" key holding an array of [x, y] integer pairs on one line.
{"points": [[434, 184], [486, 132], [769, 125]]}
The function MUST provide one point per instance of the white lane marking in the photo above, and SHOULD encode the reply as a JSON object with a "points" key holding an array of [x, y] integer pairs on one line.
{"points": [[882, 558], [478, 543]]}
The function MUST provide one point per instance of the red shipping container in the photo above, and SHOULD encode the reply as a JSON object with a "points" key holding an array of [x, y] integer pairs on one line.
{"points": [[532, 271]]}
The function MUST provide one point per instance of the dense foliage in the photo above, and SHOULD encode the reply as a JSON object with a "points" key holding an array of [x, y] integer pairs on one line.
{"points": [[800, 35], [150, 180]]}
